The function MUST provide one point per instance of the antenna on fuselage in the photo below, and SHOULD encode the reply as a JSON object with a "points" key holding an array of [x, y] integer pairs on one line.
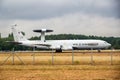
{"points": [[43, 31]]}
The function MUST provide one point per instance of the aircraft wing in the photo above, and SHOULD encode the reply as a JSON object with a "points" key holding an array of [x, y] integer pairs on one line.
{"points": [[13, 42], [48, 45]]}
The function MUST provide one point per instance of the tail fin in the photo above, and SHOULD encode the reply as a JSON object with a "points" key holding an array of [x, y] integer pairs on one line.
{"points": [[18, 36]]}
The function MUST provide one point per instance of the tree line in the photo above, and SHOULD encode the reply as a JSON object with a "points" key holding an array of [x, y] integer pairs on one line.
{"points": [[4, 46]]}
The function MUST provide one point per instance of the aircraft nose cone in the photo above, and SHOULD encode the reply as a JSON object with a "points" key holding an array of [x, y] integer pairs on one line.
{"points": [[109, 45]]}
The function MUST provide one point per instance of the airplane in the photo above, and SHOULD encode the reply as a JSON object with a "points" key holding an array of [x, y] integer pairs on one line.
{"points": [[57, 45]]}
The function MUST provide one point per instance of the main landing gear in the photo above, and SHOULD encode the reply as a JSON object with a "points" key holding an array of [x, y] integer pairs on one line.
{"points": [[58, 50]]}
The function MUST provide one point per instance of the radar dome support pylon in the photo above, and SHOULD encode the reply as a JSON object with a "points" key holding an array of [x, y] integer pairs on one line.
{"points": [[43, 31]]}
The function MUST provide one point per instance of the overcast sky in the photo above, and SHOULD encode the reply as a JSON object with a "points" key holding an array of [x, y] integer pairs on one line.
{"points": [[88, 17]]}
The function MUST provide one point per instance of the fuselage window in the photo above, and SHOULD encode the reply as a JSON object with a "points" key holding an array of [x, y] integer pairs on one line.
{"points": [[84, 44], [75, 44], [90, 44]]}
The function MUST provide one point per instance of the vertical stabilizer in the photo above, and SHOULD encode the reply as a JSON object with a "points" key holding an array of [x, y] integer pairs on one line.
{"points": [[18, 36]]}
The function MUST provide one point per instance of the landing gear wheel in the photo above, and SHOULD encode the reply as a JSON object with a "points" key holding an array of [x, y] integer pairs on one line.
{"points": [[99, 51], [59, 50]]}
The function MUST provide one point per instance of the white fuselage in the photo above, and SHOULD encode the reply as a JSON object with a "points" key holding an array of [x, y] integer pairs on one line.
{"points": [[67, 44], [20, 39]]}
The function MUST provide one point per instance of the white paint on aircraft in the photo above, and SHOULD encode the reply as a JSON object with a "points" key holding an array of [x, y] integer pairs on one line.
{"points": [[58, 44]]}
